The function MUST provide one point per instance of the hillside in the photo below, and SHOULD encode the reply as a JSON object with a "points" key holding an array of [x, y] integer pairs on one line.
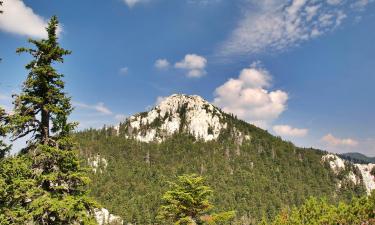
{"points": [[250, 170], [356, 157]]}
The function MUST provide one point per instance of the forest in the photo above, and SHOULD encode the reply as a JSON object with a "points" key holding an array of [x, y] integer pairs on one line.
{"points": [[181, 180]]}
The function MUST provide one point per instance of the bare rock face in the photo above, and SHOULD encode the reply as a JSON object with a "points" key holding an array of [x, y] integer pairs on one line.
{"points": [[339, 165], [97, 163], [103, 217], [178, 113], [368, 178]]}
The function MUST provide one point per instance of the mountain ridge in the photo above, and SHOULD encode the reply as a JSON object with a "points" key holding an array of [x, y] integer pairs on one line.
{"points": [[357, 157], [180, 113], [255, 172]]}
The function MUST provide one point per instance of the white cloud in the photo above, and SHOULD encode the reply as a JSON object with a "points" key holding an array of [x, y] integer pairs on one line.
{"points": [[248, 98], [194, 65], [132, 3], [124, 70], [20, 19], [361, 4], [311, 11], [162, 64], [339, 142], [277, 25], [286, 130], [99, 107], [159, 99]]}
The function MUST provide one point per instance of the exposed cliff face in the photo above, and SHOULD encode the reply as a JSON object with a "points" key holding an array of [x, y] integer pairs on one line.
{"points": [[104, 217], [368, 178], [178, 113], [347, 171]]}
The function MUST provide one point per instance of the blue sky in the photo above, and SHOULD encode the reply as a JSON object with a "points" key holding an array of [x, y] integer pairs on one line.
{"points": [[302, 69]]}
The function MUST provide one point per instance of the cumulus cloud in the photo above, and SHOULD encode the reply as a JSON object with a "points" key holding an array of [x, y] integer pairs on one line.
{"points": [[277, 25], [194, 65], [99, 107], [18, 18], [162, 64], [288, 131], [248, 98], [339, 142]]}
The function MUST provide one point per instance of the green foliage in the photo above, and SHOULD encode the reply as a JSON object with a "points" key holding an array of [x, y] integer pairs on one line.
{"points": [[42, 93], [45, 184], [313, 211], [23, 200], [268, 175], [372, 172], [188, 202], [4, 148]]}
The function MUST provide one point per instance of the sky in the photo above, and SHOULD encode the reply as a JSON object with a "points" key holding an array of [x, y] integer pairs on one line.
{"points": [[301, 69]]}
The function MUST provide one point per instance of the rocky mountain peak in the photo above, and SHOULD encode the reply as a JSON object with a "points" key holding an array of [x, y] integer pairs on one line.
{"points": [[177, 113]]}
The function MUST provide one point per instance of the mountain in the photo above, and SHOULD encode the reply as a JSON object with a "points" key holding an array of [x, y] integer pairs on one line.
{"points": [[251, 171], [356, 157], [180, 114]]}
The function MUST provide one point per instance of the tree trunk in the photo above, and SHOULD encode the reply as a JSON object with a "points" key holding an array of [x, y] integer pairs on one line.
{"points": [[45, 126]]}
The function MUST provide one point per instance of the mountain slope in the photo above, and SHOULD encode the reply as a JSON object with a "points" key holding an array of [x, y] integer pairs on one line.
{"points": [[250, 170], [357, 157], [179, 114]]}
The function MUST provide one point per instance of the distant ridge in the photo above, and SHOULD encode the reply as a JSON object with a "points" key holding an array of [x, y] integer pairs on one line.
{"points": [[357, 157]]}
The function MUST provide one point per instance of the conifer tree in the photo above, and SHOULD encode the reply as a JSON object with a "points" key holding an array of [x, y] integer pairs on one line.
{"points": [[42, 99], [4, 148], [41, 113], [188, 202]]}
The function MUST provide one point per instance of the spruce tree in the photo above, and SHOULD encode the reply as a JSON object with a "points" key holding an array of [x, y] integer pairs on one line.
{"points": [[41, 113], [4, 148], [188, 202]]}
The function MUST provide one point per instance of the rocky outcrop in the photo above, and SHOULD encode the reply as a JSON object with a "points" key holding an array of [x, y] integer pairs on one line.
{"points": [[97, 163], [103, 217], [339, 165], [177, 113], [368, 178]]}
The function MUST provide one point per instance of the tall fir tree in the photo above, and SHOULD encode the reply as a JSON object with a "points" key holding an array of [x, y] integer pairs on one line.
{"points": [[42, 99], [188, 203], [56, 184]]}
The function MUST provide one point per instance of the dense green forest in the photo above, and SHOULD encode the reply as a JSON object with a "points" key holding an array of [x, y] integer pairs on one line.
{"points": [[256, 179]]}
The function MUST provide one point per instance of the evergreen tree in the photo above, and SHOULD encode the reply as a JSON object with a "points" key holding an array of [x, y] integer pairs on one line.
{"points": [[4, 148], [188, 202], [56, 190], [42, 99]]}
